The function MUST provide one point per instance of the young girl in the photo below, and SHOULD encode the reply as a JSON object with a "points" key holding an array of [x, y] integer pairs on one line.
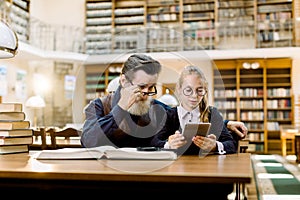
{"points": [[192, 93]]}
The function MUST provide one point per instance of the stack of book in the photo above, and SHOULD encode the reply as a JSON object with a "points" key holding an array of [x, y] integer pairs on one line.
{"points": [[15, 133]]}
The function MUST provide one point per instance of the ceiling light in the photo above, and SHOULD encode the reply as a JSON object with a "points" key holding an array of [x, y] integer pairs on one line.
{"points": [[255, 65], [8, 41], [246, 65]]}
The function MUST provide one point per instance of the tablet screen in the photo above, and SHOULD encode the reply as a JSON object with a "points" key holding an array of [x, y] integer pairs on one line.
{"points": [[192, 129]]}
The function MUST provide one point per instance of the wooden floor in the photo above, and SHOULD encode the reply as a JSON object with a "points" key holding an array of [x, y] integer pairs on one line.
{"points": [[251, 192]]}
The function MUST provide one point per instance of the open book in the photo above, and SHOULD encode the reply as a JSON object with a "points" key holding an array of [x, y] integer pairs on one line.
{"points": [[104, 152]]}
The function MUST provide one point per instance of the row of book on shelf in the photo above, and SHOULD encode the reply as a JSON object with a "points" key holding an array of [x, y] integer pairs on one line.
{"points": [[16, 136]]}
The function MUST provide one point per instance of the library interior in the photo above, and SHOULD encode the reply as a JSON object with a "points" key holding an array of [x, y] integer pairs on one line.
{"points": [[66, 53]]}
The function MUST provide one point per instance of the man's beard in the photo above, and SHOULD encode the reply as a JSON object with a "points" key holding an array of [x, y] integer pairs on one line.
{"points": [[140, 108]]}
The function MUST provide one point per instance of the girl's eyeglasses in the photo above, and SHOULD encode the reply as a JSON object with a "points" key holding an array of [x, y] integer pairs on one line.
{"points": [[188, 91]]}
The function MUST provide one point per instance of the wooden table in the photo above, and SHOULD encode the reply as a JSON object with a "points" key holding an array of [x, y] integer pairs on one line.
{"points": [[188, 175]]}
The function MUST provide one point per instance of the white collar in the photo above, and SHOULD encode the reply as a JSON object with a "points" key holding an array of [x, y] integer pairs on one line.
{"points": [[183, 113]]}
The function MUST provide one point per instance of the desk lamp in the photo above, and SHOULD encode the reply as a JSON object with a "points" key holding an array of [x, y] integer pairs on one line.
{"points": [[35, 102], [8, 41]]}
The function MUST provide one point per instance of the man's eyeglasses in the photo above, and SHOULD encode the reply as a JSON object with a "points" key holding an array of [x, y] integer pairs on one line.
{"points": [[151, 89], [188, 91]]}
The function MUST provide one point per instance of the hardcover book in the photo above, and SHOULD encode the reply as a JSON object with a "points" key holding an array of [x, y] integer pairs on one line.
{"points": [[9, 149], [11, 107], [16, 132], [15, 140], [105, 152], [9, 125], [12, 116]]}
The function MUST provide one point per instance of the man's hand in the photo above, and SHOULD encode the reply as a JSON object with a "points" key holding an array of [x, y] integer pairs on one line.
{"points": [[129, 95], [238, 127]]}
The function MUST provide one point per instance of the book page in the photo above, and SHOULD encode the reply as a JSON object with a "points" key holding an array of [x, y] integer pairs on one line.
{"points": [[133, 153], [73, 153], [104, 152]]}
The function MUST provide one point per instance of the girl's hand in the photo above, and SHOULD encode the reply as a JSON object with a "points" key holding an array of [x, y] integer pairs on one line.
{"points": [[176, 140], [206, 143]]}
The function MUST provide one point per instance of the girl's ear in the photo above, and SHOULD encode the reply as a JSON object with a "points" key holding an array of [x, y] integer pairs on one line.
{"points": [[122, 80]]}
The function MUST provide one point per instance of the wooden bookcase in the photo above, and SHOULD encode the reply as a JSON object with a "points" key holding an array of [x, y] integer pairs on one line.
{"points": [[18, 14], [98, 77], [275, 25], [127, 19], [114, 26], [198, 20], [257, 92], [99, 16], [235, 24], [296, 15], [177, 25], [279, 101], [163, 27]]}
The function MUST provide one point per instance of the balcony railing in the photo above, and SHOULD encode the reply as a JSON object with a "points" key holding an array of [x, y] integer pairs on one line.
{"points": [[98, 40]]}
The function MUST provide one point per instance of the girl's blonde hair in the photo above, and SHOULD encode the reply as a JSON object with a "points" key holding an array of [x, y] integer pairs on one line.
{"points": [[203, 105]]}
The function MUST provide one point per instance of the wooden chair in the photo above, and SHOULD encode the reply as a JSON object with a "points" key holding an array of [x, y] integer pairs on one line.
{"points": [[39, 139], [242, 146], [65, 138]]}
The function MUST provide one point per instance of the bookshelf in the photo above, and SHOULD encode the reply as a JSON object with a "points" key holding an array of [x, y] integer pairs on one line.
{"points": [[98, 26], [274, 23], [257, 92], [176, 25], [18, 15], [98, 77], [236, 24], [296, 15], [199, 24], [164, 19], [160, 12], [279, 109], [128, 18]]}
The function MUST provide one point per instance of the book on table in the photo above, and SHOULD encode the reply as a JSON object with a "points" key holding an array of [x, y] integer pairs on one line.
{"points": [[105, 152], [16, 132], [12, 116], [11, 107], [10, 149], [9, 125], [4, 140]]}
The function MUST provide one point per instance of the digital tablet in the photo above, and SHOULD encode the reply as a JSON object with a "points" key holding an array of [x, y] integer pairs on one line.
{"points": [[192, 129]]}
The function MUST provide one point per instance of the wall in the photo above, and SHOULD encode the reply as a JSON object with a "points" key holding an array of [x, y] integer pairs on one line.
{"points": [[59, 12], [67, 13], [296, 76]]}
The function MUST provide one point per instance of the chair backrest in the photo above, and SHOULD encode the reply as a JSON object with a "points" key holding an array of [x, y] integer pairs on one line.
{"points": [[40, 136], [242, 143], [70, 137]]}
